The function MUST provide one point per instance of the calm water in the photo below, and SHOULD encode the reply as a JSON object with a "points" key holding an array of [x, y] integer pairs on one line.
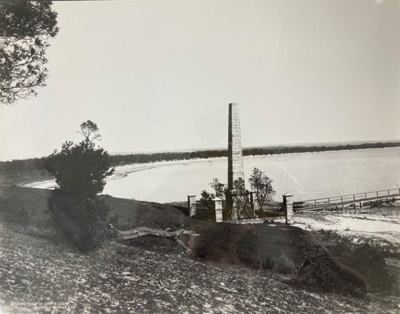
{"points": [[307, 175]]}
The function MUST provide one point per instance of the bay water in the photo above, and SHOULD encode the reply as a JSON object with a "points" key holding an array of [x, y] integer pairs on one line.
{"points": [[305, 175]]}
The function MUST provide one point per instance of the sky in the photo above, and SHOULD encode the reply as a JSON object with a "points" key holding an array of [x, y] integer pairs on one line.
{"points": [[159, 75]]}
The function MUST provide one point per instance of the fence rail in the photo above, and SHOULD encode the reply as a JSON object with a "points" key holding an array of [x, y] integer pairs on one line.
{"points": [[205, 210], [346, 199]]}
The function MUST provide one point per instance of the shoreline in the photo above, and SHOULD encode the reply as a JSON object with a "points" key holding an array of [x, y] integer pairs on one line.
{"points": [[123, 171]]}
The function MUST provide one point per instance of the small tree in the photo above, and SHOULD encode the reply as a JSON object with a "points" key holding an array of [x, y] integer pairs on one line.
{"points": [[80, 171], [262, 185], [90, 131], [219, 188]]}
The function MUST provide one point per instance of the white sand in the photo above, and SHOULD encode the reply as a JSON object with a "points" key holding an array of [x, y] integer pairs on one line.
{"points": [[369, 224], [122, 171]]}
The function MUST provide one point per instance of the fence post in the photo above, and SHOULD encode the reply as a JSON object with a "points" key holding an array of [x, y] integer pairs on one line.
{"points": [[235, 209], [218, 209], [288, 207], [192, 205]]}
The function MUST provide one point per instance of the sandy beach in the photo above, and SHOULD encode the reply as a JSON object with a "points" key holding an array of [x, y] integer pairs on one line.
{"points": [[123, 171]]}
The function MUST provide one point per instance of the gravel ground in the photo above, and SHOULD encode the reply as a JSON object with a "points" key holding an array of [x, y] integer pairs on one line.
{"points": [[38, 276]]}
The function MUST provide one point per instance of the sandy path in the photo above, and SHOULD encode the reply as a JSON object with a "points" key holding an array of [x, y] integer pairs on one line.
{"points": [[382, 224]]}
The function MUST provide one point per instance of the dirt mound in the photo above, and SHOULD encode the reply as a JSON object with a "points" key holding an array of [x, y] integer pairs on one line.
{"points": [[132, 213], [280, 248]]}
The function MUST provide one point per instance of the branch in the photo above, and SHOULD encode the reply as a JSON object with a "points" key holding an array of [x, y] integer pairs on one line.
{"points": [[144, 231]]}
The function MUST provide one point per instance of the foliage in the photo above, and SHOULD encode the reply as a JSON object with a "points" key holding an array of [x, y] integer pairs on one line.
{"points": [[345, 265], [366, 255], [80, 172], [89, 131], [22, 166], [219, 188], [85, 221], [239, 186], [240, 198], [262, 185], [80, 169], [320, 271], [25, 28], [206, 199]]}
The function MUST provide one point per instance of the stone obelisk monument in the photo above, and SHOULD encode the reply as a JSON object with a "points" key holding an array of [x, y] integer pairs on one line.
{"points": [[235, 157]]}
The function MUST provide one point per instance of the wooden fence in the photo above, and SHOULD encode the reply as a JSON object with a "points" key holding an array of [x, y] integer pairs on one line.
{"points": [[335, 201]]}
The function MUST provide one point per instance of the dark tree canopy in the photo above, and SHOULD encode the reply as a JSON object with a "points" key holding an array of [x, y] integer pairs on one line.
{"points": [[80, 169], [89, 131], [25, 28]]}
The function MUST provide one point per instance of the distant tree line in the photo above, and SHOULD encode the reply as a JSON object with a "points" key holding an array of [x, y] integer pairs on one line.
{"points": [[169, 156], [21, 166], [36, 164], [166, 156], [308, 149]]}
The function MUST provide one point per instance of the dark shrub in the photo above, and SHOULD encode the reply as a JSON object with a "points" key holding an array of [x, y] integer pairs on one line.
{"points": [[81, 171], [366, 257], [206, 199], [319, 270], [85, 221]]}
